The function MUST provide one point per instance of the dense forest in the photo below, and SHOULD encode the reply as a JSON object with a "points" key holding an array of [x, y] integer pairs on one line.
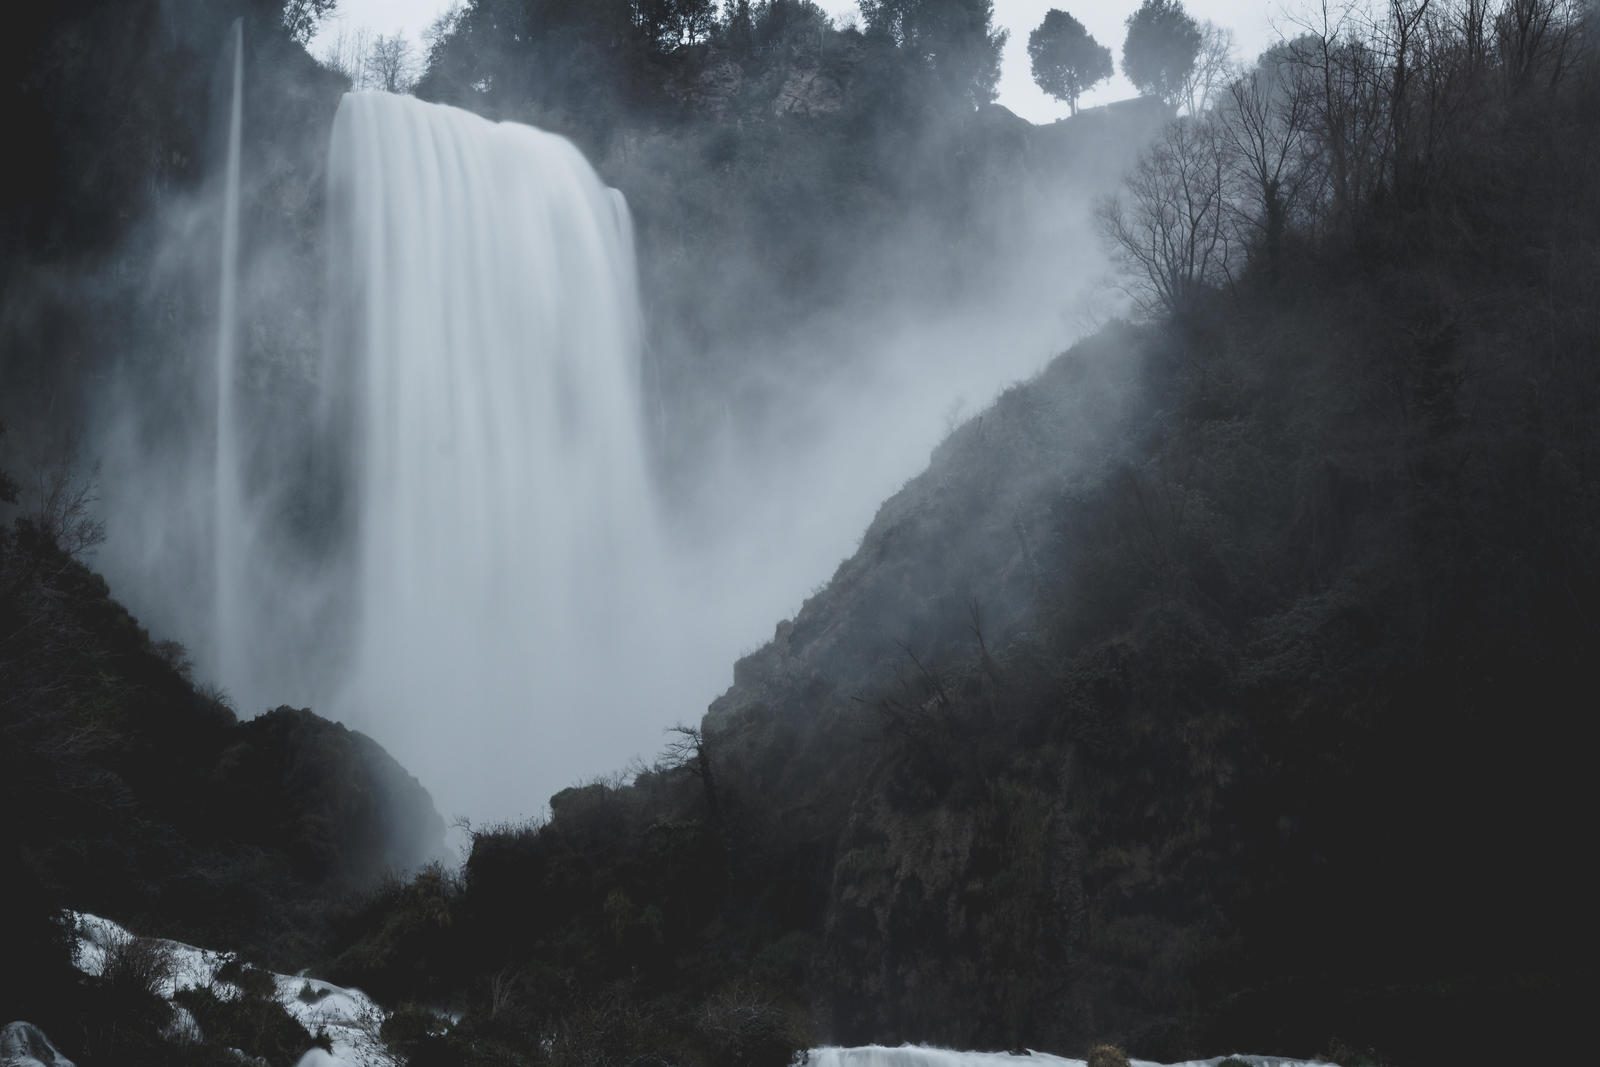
{"points": [[1219, 687]]}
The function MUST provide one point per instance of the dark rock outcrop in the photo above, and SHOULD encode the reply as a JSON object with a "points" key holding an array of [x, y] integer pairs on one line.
{"points": [[342, 804]]}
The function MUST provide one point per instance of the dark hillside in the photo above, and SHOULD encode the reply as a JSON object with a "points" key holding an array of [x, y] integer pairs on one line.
{"points": [[130, 793], [1288, 730]]}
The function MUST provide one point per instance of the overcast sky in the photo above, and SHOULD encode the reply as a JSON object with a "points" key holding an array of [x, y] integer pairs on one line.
{"points": [[1250, 20]]}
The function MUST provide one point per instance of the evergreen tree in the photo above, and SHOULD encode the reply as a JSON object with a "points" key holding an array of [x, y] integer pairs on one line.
{"points": [[1160, 49], [1066, 58], [954, 39], [741, 27]]}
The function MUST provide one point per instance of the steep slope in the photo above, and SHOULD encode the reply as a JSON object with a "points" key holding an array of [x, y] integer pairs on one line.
{"points": [[1270, 718], [952, 561], [129, 791]]}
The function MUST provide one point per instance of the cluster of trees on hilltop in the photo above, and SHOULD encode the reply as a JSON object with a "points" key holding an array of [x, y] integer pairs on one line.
{"points": [[1166, 54], [1359, 129], [587, 67]]}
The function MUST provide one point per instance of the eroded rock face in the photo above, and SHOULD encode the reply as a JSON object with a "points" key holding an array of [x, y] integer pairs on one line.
{"points": [[25, 1045], [809, 91], [714, 87]]}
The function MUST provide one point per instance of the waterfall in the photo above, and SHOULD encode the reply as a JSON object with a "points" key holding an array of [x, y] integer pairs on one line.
{"points": [[486, 358], [227, 505]]}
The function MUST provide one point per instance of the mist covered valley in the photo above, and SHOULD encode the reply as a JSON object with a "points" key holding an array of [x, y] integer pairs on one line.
{"points": [[780, 551]]}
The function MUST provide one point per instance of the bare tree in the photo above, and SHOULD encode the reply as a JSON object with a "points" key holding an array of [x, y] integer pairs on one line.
{"points": [[1348, 96], [1446, 95], [1537, 39], [1168, 226], [1398, 37], [1471, 23], [63, 503], [688, 750], [1214, 67], [346, 54], [1264, 121], [389, 63]]}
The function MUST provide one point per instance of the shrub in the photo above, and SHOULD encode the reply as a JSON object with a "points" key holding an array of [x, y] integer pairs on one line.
{"points": [[137, 967], [1107, 1056], [253, 1021], [252, 981], [415, 1034], [743, 1024]]}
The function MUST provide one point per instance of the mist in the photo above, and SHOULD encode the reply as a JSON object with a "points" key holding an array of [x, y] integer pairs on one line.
{"points": [[826, 414], [792, 362]]}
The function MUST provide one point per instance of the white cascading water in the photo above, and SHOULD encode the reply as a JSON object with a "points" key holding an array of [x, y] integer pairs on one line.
{"points": [[506, 535], [228, 524]]}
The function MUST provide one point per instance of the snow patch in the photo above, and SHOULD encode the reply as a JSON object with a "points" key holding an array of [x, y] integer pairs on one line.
{"points": [[924, 1056], [351, 1019], [348, 1017]]}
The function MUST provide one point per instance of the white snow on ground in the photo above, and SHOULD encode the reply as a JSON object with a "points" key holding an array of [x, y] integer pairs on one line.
{"points": [[351, 1019], [191, 966], [348, 1016], [923, 1056]]}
